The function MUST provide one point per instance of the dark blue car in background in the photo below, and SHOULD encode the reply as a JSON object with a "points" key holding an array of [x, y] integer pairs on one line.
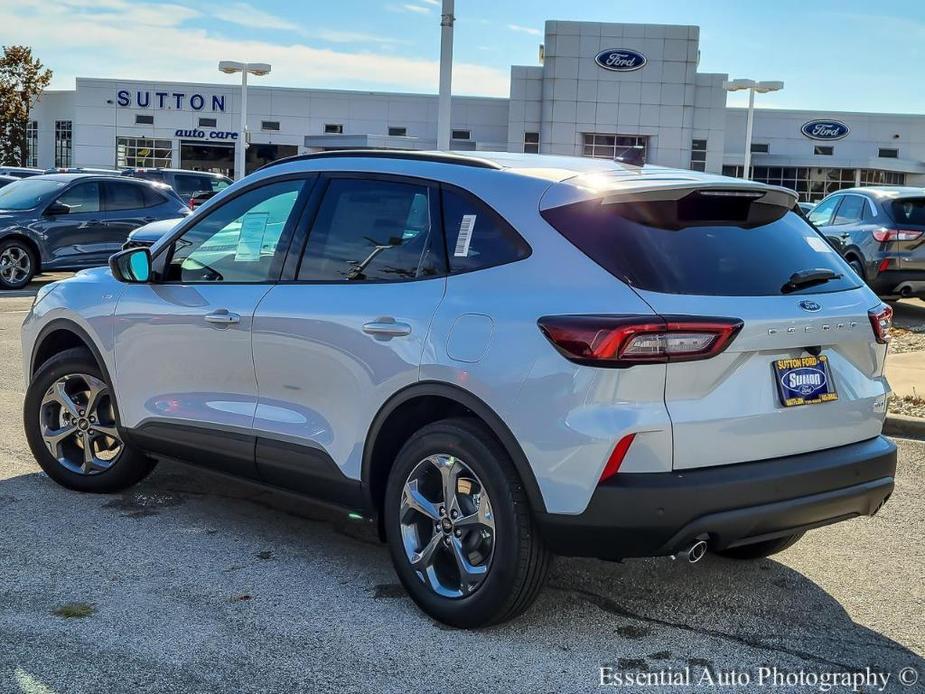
{"points": [[74, 221]]}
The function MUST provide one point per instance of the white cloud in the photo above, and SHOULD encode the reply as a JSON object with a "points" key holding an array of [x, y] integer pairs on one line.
{"points": [[408, 7], [335, 36], [525, 30], [436, 3], [100, 38], [249, 16]]}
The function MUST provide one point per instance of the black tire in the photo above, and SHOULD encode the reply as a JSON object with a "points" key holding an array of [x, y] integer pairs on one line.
{"points": [[760, 550], [858, 267], [520, 561], [128, 467], [21, 255]]}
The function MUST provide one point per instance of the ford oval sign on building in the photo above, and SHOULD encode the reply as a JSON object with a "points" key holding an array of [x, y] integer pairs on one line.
{"points": [[824, 129], [620, 59]]}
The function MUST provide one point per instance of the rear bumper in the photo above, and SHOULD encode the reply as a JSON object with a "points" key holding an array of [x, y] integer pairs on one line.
{"points": [[899, 283], [637, 515]]}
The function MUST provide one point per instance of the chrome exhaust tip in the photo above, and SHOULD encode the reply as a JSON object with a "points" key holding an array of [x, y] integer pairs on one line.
{"points": [[694, 553]]}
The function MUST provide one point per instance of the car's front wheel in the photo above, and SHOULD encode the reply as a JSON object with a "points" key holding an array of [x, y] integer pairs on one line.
{"points": [[17, 264], [459, 527], [72, 427]]}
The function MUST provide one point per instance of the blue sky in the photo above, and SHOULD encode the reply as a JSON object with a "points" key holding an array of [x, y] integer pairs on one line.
{"points": [[845, 55]]}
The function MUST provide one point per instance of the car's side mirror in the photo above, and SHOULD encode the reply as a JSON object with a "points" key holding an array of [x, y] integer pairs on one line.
{"points": [[132, 265], [56, 208]]}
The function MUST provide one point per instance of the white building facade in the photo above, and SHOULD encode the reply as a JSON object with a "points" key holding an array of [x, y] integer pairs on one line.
{"points": [[602, 90]]}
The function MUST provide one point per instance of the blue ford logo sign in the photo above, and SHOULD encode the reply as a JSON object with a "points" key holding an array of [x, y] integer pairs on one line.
{"points": [[824, 129], [804, 381], [810, 306], [620, 59]]}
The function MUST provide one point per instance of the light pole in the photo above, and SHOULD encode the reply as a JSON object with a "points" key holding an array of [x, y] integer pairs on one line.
{"points": [[752, 86], [446, 75], [230, 67]]}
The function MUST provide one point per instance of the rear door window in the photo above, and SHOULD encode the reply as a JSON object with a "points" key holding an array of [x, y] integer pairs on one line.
{"points": [[188, 184], [373, 230], [476, 236], [850, 211], [123, 196], [636, 243]]}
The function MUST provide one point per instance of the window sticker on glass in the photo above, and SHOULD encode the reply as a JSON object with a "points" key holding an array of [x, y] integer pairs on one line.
{"points": [[819, 245], [250, 238], [466, 225]]}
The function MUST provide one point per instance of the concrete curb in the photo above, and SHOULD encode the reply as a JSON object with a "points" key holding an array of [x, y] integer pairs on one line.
{"points": [[904, 426]]}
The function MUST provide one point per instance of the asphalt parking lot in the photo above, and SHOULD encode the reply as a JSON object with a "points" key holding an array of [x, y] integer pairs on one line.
{"points": [[191, 583]]}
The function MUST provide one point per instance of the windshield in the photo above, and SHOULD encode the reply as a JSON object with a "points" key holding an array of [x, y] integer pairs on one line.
{"points": [[685, 254], [909, 211], [27, 193]]}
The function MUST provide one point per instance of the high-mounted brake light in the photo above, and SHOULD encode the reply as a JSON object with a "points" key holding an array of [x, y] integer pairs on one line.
{"points": [[884, 235], [622, 341], [881, 320]]}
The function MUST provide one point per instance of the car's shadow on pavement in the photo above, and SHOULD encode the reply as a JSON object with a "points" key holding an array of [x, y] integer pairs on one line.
{"points": [[196, 582]]}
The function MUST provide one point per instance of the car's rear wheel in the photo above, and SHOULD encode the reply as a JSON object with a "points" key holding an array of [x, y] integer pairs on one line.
{"points": [[759, 550], [17, 264], [459, 527], [857, 266], [72, 427]]}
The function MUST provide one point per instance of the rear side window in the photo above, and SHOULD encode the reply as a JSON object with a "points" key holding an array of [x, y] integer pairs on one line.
{"points": [[908, 211], [477, 237], [634, 243], [151, 197], [187, 184], [373, 230], [124, 196]]}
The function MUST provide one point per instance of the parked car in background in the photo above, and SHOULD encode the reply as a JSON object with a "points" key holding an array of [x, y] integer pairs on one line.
{"points": [[85, 169], [807, 207], [492, 357], [19, 171], [880, 230], [5, 180], [186, 183], [147, 235], [73, 221], [198, 198]]}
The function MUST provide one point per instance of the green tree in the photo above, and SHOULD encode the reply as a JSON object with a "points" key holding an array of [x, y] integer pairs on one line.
{"points": [[23, 78]]}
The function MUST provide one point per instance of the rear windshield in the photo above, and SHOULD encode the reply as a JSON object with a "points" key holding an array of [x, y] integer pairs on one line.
{"points": [[909, 211], [753, 258]]}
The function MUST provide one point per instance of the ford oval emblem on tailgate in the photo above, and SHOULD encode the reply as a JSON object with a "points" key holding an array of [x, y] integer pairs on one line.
{"points": [[810, 306]]}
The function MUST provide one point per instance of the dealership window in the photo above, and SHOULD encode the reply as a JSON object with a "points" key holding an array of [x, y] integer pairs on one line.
{"points": [[63, 142], [143, 151], [32, 143], [760, 148], [602, 146], [824, 150], [532, 143], [208, 122], [269, 125], [397, 132], [333, 129], [698, 155], [814, 183], [141, 119], [888, 153], [461, 135]]}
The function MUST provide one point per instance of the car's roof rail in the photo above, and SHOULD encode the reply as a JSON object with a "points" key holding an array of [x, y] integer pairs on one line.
{"points": [[437, 157]]}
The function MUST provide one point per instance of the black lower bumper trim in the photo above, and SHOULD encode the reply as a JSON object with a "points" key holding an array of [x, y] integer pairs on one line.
{"points": [[636, 515]]}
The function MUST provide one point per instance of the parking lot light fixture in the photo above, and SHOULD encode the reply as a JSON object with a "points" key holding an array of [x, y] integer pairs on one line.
{"points": [[231, 67], [752, 86]]}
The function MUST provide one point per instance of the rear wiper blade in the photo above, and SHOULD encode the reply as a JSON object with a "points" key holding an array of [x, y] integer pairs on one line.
{"points": [[806, 278]]}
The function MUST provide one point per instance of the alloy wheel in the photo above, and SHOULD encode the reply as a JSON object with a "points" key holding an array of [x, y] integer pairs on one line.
{"points": [[15, 264], [78, 424], [447, 526]]}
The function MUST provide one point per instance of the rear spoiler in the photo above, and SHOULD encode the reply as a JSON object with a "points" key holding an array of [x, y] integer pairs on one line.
{"points": [[660, 187]]}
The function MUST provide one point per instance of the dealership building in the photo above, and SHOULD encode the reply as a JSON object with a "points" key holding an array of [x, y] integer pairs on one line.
{"points": [[599, 90]]}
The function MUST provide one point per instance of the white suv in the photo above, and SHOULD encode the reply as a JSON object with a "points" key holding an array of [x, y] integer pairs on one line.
{"points": [[495, 357]]}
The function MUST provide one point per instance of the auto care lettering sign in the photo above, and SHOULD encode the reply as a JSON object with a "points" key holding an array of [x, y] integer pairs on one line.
{"points": [[174, 101], [195, 134]]}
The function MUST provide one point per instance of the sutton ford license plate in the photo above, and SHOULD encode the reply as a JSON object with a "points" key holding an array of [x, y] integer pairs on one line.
{"points": [[804, 381]]}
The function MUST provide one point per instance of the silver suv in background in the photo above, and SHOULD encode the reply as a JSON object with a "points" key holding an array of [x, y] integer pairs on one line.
{"points": [[494, 357]]}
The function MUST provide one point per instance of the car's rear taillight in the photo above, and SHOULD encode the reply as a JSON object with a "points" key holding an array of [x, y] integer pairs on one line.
{"points": [[881, 319], [626, 340], [884, 235], [616, 457]]}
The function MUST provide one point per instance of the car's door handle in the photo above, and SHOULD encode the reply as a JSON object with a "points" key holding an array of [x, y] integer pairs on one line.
{"points": [[222, 317], [387, 328]]}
